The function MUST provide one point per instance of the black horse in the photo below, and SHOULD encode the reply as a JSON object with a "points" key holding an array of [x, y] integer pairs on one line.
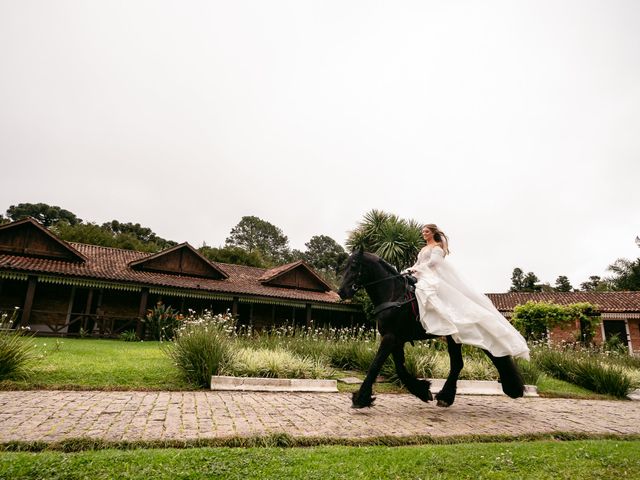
{"points": [[396, 315]]}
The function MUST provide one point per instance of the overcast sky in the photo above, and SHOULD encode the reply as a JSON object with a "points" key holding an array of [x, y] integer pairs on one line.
{"points": [[515, 126]]}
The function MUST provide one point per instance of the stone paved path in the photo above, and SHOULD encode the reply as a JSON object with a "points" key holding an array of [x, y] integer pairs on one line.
{"points": [[58, 415]]}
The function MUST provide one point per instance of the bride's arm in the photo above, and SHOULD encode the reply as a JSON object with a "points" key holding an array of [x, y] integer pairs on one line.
{"points": [[436, 258], [414, 267]]}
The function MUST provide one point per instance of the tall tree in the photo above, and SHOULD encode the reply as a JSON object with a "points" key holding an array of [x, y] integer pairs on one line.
{"points": [[324, 253], [517, 280], [521, 282], [531, 283], [563, 284], [594, 284], [626, 274], [47, 215], [392, 238], [253, 233]]}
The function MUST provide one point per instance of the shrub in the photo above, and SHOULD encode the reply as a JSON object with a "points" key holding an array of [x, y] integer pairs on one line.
{"points": [[584, 370], [162, 322], [129, 336], [530, 371], [16, 351], [351, 355], [202, 347], [535, 319]]}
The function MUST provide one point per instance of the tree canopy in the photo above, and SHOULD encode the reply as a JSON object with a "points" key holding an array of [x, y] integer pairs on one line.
{"points": [[521, 282], [253, 233], [392, 238], [324, 253], [234, 255], [626, 274], [144, 234], [97, 235], [47, 215], [563, 284]]}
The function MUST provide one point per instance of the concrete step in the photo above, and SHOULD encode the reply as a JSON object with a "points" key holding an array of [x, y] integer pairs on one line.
{"points": [[257, 384]]}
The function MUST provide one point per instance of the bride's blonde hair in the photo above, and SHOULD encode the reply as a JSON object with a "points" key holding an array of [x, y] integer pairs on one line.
{"points": [[439, 236]]}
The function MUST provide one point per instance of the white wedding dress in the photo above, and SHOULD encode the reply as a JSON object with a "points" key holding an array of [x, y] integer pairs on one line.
{"points": [[448, 306]]}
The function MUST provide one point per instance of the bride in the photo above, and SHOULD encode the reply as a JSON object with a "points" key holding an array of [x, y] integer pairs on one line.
{"points": [[448, 306]]}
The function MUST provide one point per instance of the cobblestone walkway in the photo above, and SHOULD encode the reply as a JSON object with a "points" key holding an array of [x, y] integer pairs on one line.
{"points": [[58, 415]]}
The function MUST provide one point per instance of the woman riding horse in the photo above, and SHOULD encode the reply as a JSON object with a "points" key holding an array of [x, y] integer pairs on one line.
{"points": [[398, 324]]}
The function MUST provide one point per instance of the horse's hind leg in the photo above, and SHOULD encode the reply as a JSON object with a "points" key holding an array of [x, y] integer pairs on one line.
{"points": [[510, 377], [420, 388], [362, 398], [447, 395]]}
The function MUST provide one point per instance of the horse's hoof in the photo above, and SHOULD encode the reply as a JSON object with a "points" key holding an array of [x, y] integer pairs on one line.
{"points": [[442, 403], [422, 391], [359, 402], [368, 404]]}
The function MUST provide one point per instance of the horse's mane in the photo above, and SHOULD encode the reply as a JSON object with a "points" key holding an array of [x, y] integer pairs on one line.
{"points": [[386, 265]]}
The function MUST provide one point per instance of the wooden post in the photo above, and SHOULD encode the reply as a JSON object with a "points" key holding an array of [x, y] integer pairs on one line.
{"points": [[144, 297], [28, 300], [70, 307], [308, 311], [273, 315], [234, 306], [87, 310]]}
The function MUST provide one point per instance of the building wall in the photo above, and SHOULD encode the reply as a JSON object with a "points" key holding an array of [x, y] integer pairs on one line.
{"points": [[634, 333], [50, 306], [12, 294]]}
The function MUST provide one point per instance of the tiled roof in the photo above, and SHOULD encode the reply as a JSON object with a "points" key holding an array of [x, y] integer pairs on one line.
{"points": [[112, 264], [607, 301], [274, 273]]}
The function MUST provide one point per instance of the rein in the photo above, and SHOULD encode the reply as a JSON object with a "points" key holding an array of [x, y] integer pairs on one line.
{"points": [[408, 297]]}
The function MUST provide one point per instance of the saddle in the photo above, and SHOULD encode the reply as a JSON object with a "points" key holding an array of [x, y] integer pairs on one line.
{"points": [[408, 297]]}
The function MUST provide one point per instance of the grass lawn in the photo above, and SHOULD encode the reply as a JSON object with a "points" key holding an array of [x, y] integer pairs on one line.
{"points": [[550, 387], [101, 364], [541, 460]]}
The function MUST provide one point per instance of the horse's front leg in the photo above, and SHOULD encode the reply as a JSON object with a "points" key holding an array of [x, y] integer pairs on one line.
{"points": [[362, 398], [447, 395], [420, 388]]}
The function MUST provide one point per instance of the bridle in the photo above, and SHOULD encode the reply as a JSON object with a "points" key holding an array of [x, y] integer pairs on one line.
{"points": [[357, 284], [409, 296]]}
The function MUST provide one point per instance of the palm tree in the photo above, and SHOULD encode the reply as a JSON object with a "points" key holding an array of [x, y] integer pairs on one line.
{"points": [[392, 238]]}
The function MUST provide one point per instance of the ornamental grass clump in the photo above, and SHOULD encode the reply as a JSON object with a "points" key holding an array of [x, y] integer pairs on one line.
{"points": [[585, 370], [203, 347], [276, 363], [17, 349]]}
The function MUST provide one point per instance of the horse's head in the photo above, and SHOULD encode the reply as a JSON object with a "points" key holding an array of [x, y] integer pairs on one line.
{"points": [[352, 275]]}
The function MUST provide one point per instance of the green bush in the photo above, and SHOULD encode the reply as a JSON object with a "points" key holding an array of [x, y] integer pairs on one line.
{"points": [[162, 322], [535, 319], [202, 347], [530, 371], [17, 349], [129, 336], [350, 355]]}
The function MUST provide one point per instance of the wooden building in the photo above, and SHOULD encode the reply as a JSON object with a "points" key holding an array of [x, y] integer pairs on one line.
{"points": [[620, 313], [63, 288]]}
